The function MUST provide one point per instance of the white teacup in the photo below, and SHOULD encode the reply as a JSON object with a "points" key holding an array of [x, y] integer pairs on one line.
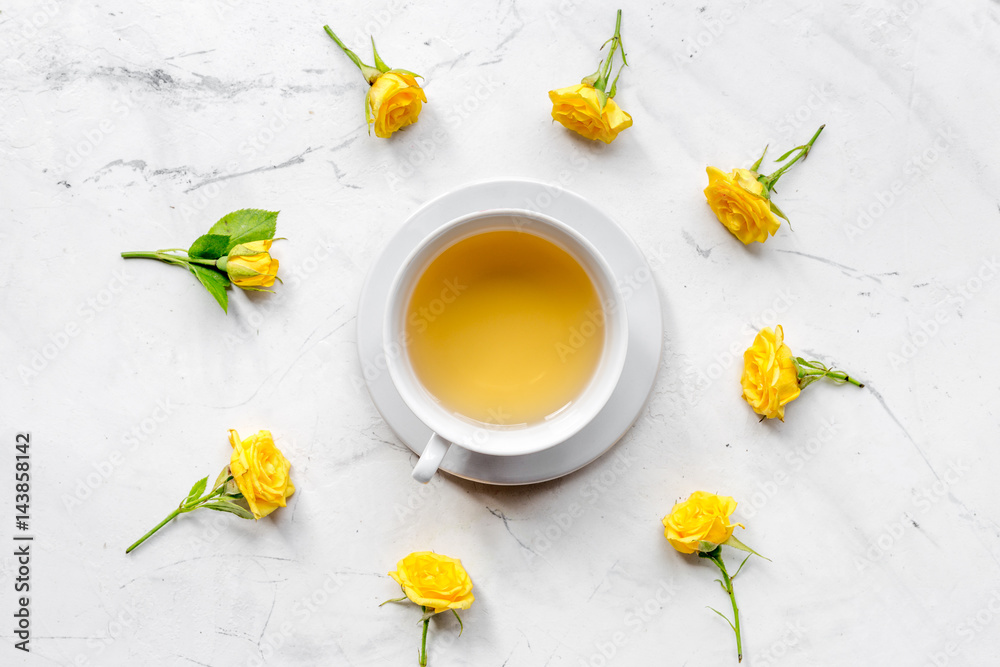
{"points": [[453, 429]]}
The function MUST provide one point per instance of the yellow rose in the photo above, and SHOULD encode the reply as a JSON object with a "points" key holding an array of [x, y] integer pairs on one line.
{"points": [[394, 101], [770, 377], [434, 581], [741, 205], [250, 265], [579, 109], [700, 523], [261, 472]]}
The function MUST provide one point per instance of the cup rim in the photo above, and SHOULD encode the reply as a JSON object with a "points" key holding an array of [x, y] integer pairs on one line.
{"points": [[487, 438]]}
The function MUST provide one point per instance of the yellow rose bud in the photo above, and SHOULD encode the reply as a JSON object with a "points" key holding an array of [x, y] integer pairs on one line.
{"points": [[741, 205], [770, 377], [579, 109], [394, 101], [261, 472], [250, 265], [700, 523], [434, 581], [251, 248]]}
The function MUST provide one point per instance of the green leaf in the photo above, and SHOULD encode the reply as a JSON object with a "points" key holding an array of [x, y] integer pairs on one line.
{"points": [[725, 618], [196, 490], [245, 225], [792, 150], [379, 65], [733, 578], [209, 246], [223, 477], [802, 361], [778, 212], [233, 489], [736, 544], [214, 282], [614, 90], [406, 71], [708, 549], [232, 508], [808, 380], [402, 599]]}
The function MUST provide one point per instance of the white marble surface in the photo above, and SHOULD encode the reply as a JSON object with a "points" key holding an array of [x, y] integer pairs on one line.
{"points": [[135, 125]]}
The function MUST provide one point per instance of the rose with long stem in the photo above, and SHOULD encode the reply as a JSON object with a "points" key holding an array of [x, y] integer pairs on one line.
{"points": [[701, 525], [435, 583], [254, 483]]}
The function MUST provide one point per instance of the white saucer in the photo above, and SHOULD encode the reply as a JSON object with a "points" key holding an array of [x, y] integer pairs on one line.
{"points": [[645, 330]]}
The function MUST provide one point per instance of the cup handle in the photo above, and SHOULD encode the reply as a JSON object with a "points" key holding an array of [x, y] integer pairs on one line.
{"points": [[430, 459]]}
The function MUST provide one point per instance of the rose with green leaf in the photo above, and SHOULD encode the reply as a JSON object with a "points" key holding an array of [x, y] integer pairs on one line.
{"points": [[394, 97], [235, 251], [774, 377], [436, 583], [700, 525], [741, 199], [254, 484]]}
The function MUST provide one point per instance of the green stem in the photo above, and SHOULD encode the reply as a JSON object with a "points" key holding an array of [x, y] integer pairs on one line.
{"points": [[840, 377], [604, 69], [370, 73], [162, 256], [184, 507], [423, 640], [167, 257], [728, 585], [772, 180], [155, 528]]}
